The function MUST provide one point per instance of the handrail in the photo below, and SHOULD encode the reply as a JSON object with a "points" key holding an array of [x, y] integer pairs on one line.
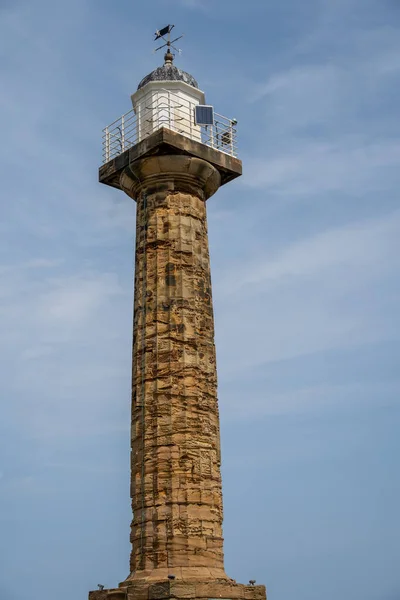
{"points": [[167, 109]]}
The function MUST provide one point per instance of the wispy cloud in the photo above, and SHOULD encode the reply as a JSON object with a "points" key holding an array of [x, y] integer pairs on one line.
{"points": [[362, 250], [49, 337], [202, 5], [348, 165], [331, 121], [308, 400]]}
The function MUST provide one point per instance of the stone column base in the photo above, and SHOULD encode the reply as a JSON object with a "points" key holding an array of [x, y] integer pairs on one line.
{"points": [[180, 590]]}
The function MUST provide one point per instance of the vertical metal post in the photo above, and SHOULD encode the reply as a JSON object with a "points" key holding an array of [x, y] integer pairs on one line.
{"points": [[231, 138], [107, 145], [170, 121], [123, 133], [156, 111], [139, 120]]}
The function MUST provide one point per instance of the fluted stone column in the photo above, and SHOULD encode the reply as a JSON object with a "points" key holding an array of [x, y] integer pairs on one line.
{"points": [[175, 459]]}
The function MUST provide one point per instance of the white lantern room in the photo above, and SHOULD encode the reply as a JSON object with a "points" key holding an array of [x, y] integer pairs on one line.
{"points": [[167, 97]]}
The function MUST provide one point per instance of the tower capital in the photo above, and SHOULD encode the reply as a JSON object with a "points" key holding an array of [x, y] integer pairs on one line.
{"points": [[170, 173], [166, 142]]}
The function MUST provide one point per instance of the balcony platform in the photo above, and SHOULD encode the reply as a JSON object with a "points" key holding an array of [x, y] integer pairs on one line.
{"points": [[181, 590], [164, 142]]}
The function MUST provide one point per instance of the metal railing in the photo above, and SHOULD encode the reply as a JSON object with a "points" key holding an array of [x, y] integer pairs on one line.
{"points": [[164, 108]]}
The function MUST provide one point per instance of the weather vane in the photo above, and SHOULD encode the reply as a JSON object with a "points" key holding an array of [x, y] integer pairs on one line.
{"points": [[168, 43]]}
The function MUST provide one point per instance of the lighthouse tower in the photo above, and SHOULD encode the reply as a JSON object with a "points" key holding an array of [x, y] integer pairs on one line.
{"points": [[170, 154]]}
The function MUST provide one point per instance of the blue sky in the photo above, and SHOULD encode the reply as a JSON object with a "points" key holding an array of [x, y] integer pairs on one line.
{"points": [[305, 259]]}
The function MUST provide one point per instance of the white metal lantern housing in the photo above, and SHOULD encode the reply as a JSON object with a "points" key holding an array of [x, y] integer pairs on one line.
{"points": [[168, 104]]}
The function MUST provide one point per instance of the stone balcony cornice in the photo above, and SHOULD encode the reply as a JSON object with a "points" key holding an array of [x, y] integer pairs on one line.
{"points": [[167, 142]]}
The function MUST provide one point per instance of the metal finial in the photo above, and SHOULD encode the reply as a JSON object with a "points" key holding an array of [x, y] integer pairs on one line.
{"points": [[161, 33], [168, 57]]}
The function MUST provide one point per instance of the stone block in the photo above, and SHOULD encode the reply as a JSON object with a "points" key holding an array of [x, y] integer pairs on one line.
{"points": [[159, 591], [182, 590], [111, 594], [255, 592]]}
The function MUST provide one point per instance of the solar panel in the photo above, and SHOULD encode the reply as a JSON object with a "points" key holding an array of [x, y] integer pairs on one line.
{"points": [[204, 115]]}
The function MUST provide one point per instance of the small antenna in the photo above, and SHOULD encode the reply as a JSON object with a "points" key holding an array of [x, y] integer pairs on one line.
{"points": [[161, 33]]}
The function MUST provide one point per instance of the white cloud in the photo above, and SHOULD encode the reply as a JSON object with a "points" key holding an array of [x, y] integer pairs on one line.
{"points": [[330, 123], [65, 293], [194, 4], [347, 165], [74, 300], [303, 94], [328, 132], [266, 402], [65, 348], [311, 296], [359, 251]]}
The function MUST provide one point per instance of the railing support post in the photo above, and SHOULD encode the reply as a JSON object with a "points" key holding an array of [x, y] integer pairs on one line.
{"points": [[139, 121], [107, 145], [170, 117]]}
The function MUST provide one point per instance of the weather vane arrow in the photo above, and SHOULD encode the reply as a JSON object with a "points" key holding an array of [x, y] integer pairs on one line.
{"points": [[166, 31]]}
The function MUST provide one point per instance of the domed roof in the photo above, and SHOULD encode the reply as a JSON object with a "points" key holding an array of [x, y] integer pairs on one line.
{"points": [[168, 72]]}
